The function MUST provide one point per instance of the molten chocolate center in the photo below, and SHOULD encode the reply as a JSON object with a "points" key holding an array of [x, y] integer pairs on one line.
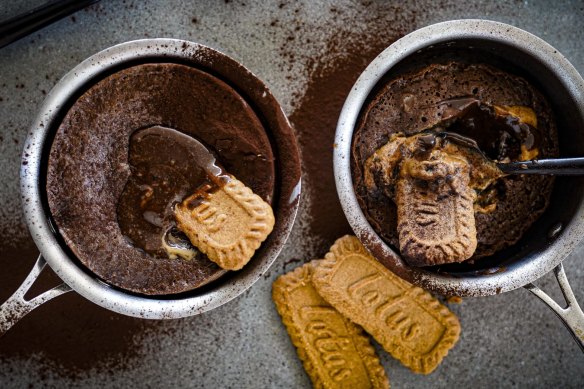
{"points": [[498, 133], [166, 166]]}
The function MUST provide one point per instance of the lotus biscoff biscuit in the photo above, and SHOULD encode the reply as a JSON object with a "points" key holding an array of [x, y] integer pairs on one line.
{"points": [[335, 352], [227, 224], [407, 321]]}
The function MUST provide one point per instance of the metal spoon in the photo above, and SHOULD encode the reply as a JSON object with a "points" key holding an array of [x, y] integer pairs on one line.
{"points": [[555, 166], [30, 21]]}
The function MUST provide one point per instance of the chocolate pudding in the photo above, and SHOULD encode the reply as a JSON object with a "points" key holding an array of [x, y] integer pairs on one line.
{"points": [[507, 117], [121, 160]]}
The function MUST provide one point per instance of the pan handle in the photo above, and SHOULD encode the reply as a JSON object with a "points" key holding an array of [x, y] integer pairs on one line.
{"points": [[572, 316], [16, 307]]}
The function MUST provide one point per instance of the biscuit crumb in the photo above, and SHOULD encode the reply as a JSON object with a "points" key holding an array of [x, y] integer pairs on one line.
{"points": [[454, 300]]}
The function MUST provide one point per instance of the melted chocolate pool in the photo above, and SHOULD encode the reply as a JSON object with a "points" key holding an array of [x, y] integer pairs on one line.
{"points": [[499, 136], [166, 166]]}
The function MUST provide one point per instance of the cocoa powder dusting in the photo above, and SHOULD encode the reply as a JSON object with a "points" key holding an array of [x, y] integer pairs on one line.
{"points": [[58, 330], [316, 114], [73, 336]]}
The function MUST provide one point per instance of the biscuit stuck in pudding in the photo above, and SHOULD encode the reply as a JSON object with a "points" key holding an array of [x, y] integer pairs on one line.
{"points": [[435, 218], [228, 223], [438, 180], [506, 117]]}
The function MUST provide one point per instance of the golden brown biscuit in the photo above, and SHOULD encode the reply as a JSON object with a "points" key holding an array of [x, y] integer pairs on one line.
{"points": [[227, 224], [335, 352], [407, 321], [435, 212], [432, 181]]}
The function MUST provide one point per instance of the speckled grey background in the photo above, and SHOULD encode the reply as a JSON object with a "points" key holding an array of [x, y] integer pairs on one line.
{"points": [[510, 340]]}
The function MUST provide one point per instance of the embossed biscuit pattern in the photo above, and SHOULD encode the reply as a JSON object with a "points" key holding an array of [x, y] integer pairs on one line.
{"points": [[407, 321], [436, 223], [228, 225], [335, 352]]}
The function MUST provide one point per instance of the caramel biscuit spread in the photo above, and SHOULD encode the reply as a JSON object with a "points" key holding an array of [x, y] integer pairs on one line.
{"points": [[438, 180]]}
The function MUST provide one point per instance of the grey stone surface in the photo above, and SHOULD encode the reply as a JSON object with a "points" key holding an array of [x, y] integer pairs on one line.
{"points": [[510, 340]]}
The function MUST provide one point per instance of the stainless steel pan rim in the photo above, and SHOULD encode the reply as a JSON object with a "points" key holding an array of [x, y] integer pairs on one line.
{"points": [[41, 230], [489, 284]]}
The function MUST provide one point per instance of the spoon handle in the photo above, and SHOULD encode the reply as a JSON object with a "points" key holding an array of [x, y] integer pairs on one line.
{"points": [[30, 21], [557, 167]]}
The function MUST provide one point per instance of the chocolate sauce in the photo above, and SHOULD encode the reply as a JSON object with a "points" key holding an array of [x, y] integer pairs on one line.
{"points": [[426, 142], [499, 136], [166, 167]]}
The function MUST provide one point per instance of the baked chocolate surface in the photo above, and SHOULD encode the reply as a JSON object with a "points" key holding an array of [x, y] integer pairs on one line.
{"points": [[111, 196], [415, 101]]}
